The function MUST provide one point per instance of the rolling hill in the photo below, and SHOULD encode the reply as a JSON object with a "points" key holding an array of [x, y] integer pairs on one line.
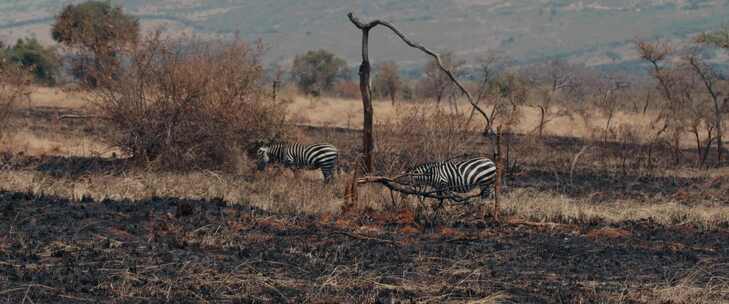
{"points": [[595, 32]]}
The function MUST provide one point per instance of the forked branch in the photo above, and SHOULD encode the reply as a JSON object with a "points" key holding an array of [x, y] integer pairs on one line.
{"points": [[436, 56]]}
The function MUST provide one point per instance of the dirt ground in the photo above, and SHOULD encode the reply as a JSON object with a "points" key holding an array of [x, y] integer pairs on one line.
{"points": [[184, 251]]}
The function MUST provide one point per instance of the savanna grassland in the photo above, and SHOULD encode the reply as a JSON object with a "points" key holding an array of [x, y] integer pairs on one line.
{"points": [[581, 222]]}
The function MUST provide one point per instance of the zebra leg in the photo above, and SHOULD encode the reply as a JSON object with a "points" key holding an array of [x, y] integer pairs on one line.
{"points": [[440, 201], [484, 196], [485, 192], [328, 175], [437, 208]]}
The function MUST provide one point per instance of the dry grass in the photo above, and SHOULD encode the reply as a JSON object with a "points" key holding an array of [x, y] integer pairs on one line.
{"points": [[280, 191], [58, 98], [274, 191], [284, 192], [554, 208], [42, 144], [707, 283], [347, 113]]}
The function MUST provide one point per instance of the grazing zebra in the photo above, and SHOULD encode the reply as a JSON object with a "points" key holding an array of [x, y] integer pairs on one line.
{"points": [[300, 156], [462, 176], [418, 174]]}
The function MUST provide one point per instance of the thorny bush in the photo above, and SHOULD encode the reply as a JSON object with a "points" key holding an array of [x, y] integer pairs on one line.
{"points": [[185, 103]]}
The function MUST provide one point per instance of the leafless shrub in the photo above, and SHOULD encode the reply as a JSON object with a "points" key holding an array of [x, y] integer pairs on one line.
{"points": [[347, 89], [435, 84], [14, 86], [511, 93], [553, 80], [690, 97], [184, 102], [422, 134]]}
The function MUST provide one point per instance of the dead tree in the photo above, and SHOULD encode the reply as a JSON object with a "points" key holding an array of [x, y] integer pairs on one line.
{"points": [[366, 92], [364, 81], [709, 77]]}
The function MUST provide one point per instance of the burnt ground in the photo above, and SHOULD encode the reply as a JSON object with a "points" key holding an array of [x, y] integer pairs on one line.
{"points": [[53, 250]]}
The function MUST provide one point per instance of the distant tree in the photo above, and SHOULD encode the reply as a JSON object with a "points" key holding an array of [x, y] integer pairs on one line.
{"points": [[551, 79], [436, 84], [689, 93], [14, 86], [387, 81], [710, 78], [316, 71], [99, 31], [42, 61], [487, 76]]}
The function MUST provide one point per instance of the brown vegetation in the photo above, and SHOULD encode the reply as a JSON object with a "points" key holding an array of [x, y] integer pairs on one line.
{"points": [[186, 103], [14, 88]]}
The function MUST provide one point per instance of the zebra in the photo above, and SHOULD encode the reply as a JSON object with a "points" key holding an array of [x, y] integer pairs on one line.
{"points": [[300, 156], [417, 174], [462, 176]]}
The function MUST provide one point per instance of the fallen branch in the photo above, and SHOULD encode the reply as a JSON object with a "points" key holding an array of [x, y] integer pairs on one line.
{"points": [[393, 185], [78, 116], [365, 238], [549, 225]]}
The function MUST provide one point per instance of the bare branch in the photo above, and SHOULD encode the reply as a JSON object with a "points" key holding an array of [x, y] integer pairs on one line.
{"points": [[394, 185], [418, 46]]}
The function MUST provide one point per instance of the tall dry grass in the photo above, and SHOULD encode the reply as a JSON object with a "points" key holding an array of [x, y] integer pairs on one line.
{"points": [[281, 191], [557, 208], [28, 142]]}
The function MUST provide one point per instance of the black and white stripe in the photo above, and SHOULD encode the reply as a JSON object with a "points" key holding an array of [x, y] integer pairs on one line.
{"points": [[418, 175], [300, 156], [461, 176]]}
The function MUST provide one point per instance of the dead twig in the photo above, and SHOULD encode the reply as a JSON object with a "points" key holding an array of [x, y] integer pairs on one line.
{"points": [[365, 238], [574, 161]]}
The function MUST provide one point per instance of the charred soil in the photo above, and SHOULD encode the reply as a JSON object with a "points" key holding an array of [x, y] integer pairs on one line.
{"points": [[53, 250]]}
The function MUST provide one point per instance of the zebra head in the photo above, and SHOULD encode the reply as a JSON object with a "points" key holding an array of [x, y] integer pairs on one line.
{"points": [[263, 158]]}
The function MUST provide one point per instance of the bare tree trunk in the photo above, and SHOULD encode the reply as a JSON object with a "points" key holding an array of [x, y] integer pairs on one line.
{"points": [[677, 148], [364, 87], [700, 160], [499, 174], [707, 148], [708, 77], [541, 120], [275, 90], [719, 144]]}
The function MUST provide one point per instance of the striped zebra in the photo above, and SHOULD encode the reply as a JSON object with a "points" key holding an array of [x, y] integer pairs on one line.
{"points": [[300, 156], [459, 176], [417, 175]]}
